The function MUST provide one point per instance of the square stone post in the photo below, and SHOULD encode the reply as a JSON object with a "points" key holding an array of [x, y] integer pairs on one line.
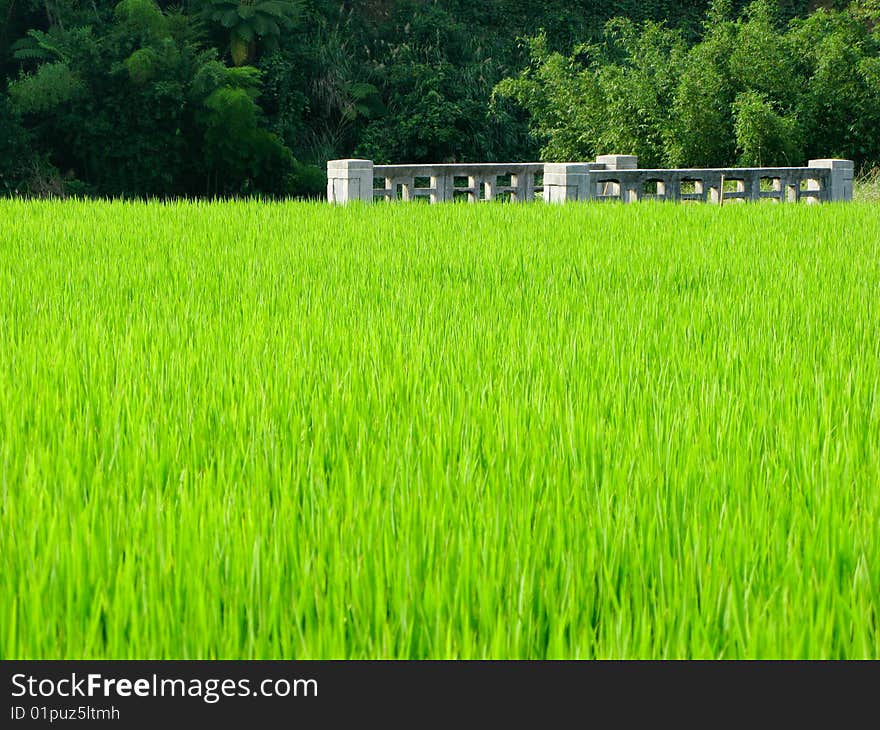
{"points": [[840, 182], [753, 187], [442, 184], [565, 181], [630, 193], [618, 162], [525, 186], [349, 180]]}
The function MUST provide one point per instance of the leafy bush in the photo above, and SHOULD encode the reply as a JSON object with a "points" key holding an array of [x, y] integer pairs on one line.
{"points": [[16, 155], [239, 155], [764, 137], [52, 85], [306, 181]]}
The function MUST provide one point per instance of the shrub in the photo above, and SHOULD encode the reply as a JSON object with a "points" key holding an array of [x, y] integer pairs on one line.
{"points": [[764, 137]]}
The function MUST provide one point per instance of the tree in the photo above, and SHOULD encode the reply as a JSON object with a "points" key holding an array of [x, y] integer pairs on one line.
{"points": [[250, 21], [144, 110], [609, 97], [754, 90], [764, 137], [17, 158]]}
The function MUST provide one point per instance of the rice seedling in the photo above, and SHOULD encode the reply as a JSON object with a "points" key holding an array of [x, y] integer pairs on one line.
{"points": [[295, 431]]}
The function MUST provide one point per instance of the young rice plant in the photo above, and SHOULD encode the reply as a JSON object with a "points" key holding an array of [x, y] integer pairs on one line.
{"points": [[298, 431]]}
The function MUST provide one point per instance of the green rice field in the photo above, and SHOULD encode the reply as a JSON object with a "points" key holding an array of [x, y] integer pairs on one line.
{"points": [[257, 430]]}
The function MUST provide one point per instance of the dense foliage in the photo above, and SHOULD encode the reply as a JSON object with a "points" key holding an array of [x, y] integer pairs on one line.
{"points": [[752, 91], [232, 97]]}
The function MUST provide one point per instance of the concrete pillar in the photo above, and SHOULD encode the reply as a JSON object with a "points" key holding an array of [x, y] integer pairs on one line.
{"points": [[349, 180], [442, 185], [631, 193], [567, 181], [779, 187], [753, 187], [525, 186], [473, 189], [840, 184], [618, 162], [489, 187]]}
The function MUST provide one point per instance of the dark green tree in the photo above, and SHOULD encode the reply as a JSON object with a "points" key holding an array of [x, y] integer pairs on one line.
{"points": [[253, 23]]}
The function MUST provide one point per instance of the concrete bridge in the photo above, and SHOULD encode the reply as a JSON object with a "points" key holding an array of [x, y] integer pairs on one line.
{"points": [[610, 177]]}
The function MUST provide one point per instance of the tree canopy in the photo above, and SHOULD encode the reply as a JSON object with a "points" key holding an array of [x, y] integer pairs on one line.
{"points": [[239, 97]]}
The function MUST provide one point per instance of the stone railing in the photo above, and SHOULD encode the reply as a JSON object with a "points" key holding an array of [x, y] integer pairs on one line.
{"points": [[361, 180], [471, 182], [610, 177]]}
